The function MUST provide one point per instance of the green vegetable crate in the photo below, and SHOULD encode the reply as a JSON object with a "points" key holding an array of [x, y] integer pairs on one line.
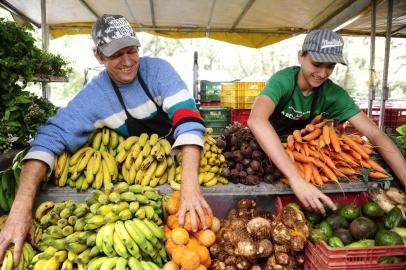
{"points": [[210, 91], [216, 117]]}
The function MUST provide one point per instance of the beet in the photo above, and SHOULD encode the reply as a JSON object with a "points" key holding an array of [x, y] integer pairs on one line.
{"points": [[246, 150], [228, 155], [256, 154], [239, 167], [252, 180], [246, 162], [255, 165], [220, 144], [234, 173], [237, 155], [254, 145], [250, 171], [243, 174], [233, 140], [226, 172]]}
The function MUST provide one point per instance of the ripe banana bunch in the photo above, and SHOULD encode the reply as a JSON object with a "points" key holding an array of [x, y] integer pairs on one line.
{"points": [[105, 139], [9, 180], [136, 238], [120, 263], [123, 203], [86, 167], [145, 160], [27, 256], [212, 163]]}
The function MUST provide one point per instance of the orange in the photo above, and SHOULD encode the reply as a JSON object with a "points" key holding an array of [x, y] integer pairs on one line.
{"points": [[209, 220], [167, 232], [172, 206], [170, 266], [208, 263], [190, 259], [172, 222], [206, 237], [204, 253], [180, 236], [193, 242], [178, 254], [215, 227], [201, 267], [176, 194], [188, 223], [170, 246]]}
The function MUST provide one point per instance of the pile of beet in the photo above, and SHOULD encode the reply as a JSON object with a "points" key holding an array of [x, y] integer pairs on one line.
{"points": [[247, 163]]}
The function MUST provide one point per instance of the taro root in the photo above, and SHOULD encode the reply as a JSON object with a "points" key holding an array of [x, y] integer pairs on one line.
{"points": [[218, 265], [297, 243], [281, 248], [250, 171], [237, 224], [228, 155], [231, 267], [239, 167], [234, 173], [290, 216], [259, 228], [247, 249], [254, 145], [256, 267], [215, 250], [233, 140], [246, 204], [280, 233], [265, 248], [237, 155], [242, 263], [243, 174], [230, 260], [282, 258]]}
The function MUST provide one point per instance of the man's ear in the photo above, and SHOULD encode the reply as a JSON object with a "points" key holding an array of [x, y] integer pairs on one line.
{"points": [[300, 57], [98, 56]]}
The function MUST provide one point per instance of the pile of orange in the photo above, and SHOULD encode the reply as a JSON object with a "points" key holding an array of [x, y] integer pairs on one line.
{"points": [[188, 249]]}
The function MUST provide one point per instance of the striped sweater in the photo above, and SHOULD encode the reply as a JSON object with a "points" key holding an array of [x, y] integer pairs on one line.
{"points": [[97, 106]]}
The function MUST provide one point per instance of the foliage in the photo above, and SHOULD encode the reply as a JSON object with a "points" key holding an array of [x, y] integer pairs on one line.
{"points": [[21, 112]]}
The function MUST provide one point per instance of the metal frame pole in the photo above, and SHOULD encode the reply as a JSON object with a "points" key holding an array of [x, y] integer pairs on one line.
{"points": [[45, 43], [195, 76], [385, 89], [372, 73]]}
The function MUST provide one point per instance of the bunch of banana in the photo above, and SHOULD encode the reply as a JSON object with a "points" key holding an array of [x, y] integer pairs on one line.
{"points": [[123, 203], [9, 180], [145, 160], [86, 167], [136, 238], [105, 139], [212, 163], [119, 263], [28, 254]]}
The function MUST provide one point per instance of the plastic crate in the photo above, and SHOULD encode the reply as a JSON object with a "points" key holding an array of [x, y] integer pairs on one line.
{"points": [[321, 256], [210, 104], [210, 91], [240, 116], [215, 114], [240, 95]]}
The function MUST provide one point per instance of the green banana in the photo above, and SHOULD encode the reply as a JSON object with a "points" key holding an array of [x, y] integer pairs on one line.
{"points": [[96, 263], [109, 264], [131, 245], [83, 257], [158, 232], [121, 264], [119, 246], [145, 230], [134, 264], [136, 234], [108, 240]]}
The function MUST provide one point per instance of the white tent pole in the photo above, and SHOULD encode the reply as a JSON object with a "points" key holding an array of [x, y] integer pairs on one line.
{"points": [[385, 89], [371, 94], [195, 76], [45, 43]]}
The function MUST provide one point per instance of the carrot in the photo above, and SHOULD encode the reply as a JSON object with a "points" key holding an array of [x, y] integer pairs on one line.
{"points": [[306, 149], [326, 135], [314, 153], [355, 155], [303, 131], [317, 176], [290, 140], [355, 146], [297, 136], [313, 135], [284, 181], [307, 171], [290, 154], [339, 173], [377, 175], [329, 173], [299, 157], [357, 139], [347, 158], [375, 166], [300, 167], [368, 150], [316, 119], [324, 178], [322, 143], [328, 161], [347, 171], [309, 127], [365, 164], [302, 151], [320, 125], [344, 147], [334, 140], [297, 146], [314, 143]]}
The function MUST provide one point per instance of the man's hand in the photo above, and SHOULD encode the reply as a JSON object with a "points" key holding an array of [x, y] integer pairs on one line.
{"points": [[15, 230], [310, 196]]}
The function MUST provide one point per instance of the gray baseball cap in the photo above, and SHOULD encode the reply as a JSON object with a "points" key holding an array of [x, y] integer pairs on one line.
{"points": [[111, 33], [324, 46]]}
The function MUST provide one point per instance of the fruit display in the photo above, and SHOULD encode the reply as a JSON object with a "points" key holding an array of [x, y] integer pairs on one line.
{"points": [[357, 224], [187, 249], [254, 239], [247, 163], [9, 180], [26, 258], [212, 163], [322, 155], [115, 224]]}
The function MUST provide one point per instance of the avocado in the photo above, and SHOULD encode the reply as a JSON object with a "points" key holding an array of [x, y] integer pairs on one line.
{"points": [[318, 235], [388, 238], [337, 221], [326, 228], [313, 217], [372, 210], [344, 235], [350, 211], [363, 228]]}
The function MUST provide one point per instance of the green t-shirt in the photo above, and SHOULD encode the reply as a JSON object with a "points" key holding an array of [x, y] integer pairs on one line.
{"points": [[333, 99]]}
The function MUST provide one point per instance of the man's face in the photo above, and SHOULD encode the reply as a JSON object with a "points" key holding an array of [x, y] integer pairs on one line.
{"points": [[315, 73], [123, 65]]}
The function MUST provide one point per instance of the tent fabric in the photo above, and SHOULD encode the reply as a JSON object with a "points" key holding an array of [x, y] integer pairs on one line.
{"points": [[252, 23]]}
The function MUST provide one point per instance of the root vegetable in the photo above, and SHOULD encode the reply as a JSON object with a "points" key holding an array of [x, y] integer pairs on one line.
{"points": [[281, 248], [265, 248], [215, 250], [379, 196], [282, 258], [280, 233], [396, 195], [230, 267], [230, 260], [218, 265], [215, 226], [259, 228], [242, 263], [246, 248], [297, 243]]}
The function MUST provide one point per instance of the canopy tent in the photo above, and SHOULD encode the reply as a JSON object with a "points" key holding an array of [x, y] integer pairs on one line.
{"points": [[252, 23]]}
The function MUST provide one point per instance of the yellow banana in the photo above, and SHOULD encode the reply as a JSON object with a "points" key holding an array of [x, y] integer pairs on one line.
{"points": [[134, 264], [138, 162], [110, 162], [125, 173], [166, 146], [97, 140], [130, 141], [146, 150], [154, 181], [61, 255], [170, 161], [97, 162], [163, 179], [147, 162], [109, 264], [155, 149], [96, 263], [106, 175], [113, 139], [171, 173], [174, 185], [121, 263], [105, 136], [129, 160], [143, 139], [119, 246], [160, 155], [121, 156], [161, 168], [149, 173], [108, 240], [43, 208], [60, 164], [211, 182], [83, 258], [98, 181], [125, 237], [143, 228], [136, 234], [132, 173], [52, 264], [78, 155], [40, 265], [8, 261], [139, 176], [85, 159], [67, 265], [153, 139]]}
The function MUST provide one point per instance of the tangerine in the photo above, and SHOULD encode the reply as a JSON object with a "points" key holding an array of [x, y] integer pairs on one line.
{"points": [[177, 254], [190, 259], [206, 237], [180, 236], [172, 222]]}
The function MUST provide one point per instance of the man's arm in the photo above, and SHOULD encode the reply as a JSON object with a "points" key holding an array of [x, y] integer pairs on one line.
{"points": [[19, 222], [192, 199], [270, 143], [384, 145]]}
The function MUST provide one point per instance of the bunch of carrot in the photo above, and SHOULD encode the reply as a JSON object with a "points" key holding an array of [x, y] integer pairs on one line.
{"points": [[322, 155]]}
